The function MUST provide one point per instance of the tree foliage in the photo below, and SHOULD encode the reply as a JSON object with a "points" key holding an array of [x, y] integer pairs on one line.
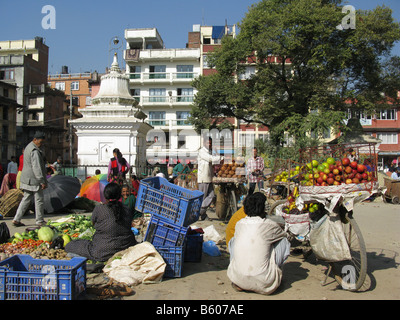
{"points": [[308, 71]]}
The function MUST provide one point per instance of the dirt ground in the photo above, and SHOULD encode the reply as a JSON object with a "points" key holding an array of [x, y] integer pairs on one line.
{"points": [[208, 281]]}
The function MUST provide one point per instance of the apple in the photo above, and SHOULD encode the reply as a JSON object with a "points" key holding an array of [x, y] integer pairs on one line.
{"points": [[336, 183], [324, 176], [316, 175], [348, 181], [360, 168], [309, 165], [364, 181], [331, 175], [325, 164], [314, 163], [324, 184], [351, 176], [335, 172], [354, 164], [358, 176], [332, 167], [326, 171], [330, 180], [354, 171], [348, 169], [364, 176], [356, 181], [320, 180], [338, 178], [330, 160], [310, 176], [321, 167], [340, 168], [345, 161]]}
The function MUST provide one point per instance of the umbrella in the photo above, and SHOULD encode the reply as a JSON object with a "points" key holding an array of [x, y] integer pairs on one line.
{"points": [[60, 192], [93, 188]]}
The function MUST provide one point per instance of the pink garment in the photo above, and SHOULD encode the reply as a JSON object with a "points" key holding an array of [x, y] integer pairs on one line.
{"points": [[9, 182]]}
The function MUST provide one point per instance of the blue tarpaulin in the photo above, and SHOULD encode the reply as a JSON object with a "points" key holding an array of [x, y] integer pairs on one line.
{"points": [[218, 32]]}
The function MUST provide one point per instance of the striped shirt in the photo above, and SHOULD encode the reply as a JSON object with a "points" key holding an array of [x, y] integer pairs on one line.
{"points": [[253, 165]]}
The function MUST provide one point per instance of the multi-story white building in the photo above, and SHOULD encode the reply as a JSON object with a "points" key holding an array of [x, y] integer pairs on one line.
{"points": [[160, 81]]}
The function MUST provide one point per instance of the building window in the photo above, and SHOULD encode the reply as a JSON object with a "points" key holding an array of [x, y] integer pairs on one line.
{"points": [[184, 71], [136, 94], [185, 95], [248, 73], [5, 113], [388, 138], [206, 65], [157, 72], [181, 117], [157, 118], [389, 114], [135, 72], [7, 74], [32, 101], [75, 85], [60, 86], [157, 95]]}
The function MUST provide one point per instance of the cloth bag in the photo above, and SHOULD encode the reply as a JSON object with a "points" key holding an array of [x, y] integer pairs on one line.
{"points": [[327, 239], [138, 264]]}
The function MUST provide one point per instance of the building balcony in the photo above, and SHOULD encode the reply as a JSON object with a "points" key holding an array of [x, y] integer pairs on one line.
{"points": [[163, 100], [137, 55], [162, 77], [168, 124]]}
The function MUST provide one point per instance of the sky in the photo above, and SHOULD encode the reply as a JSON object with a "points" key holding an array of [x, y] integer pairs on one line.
{"points": [[84, 29]]}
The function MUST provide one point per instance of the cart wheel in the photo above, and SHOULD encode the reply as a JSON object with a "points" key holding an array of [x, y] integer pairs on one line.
{"points": [[232, 205], [395, 200], [272, 208], [350, 274]]}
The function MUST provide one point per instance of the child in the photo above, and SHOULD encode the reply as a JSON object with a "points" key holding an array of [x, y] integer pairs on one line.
{"points": [[129, 200]]}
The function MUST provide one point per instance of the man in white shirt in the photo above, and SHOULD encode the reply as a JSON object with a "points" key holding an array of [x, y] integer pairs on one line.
{"points": [[396, 173], [12, 166], [258, 249], [205, 173]]}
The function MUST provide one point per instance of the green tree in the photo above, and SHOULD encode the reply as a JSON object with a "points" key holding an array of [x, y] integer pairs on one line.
{"points": [[309, 72]]}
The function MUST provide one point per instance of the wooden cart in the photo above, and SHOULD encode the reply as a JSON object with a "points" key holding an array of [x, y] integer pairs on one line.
{"points": [[392, 193]]}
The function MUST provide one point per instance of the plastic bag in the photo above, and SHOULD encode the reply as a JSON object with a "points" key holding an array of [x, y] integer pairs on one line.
{"points": [[4, 233], [210, 233], [210, 248], [327, 239]]}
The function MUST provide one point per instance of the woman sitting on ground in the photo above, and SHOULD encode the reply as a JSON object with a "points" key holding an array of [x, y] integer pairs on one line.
{"points": [[258, 249], [112, 222]]}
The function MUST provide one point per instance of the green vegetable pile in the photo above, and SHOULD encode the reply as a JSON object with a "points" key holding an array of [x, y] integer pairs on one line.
{"points": [[77, 226]]}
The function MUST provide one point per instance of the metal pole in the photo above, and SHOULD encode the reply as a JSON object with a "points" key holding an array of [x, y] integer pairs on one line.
{"points": [[70, 127]]}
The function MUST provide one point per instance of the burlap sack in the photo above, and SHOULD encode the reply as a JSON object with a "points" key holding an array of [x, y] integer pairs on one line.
{"points": [[9, 202]]}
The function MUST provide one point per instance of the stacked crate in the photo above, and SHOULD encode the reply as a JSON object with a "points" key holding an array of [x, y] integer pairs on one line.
{"points": [[172, 209]]}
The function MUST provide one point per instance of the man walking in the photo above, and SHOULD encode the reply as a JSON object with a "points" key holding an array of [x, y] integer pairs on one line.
{"points": [[205, 174], [33, 181], [255, 168]]}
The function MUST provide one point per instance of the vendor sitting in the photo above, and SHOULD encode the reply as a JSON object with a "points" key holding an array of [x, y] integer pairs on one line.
{"points": [[112, 222], [258, 249], [129, 200]]}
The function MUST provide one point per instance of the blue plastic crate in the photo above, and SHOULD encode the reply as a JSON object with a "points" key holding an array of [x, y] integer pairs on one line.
{"points": [[25, 278], [171, 202], [193, 247], [164, 233], [173, 257]]}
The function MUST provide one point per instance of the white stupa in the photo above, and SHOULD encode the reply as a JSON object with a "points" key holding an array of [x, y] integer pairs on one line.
{"points": [[112, 121]]}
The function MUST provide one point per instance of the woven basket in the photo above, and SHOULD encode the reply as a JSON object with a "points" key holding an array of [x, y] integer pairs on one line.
{"points": [[9, 202]]}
